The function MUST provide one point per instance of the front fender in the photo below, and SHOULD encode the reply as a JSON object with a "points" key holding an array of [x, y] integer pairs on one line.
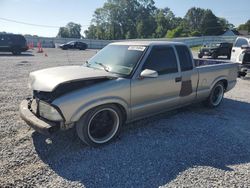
{"points": [[92, 104]]}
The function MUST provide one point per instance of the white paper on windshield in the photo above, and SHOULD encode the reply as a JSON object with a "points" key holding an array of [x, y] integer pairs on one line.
{"points": [[138, 48]]}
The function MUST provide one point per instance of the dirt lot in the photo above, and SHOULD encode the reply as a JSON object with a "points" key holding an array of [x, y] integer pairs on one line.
{"points": [[193, 146]]}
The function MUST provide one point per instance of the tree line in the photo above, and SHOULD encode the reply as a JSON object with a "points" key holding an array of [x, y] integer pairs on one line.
{"points": [[245, 26], [122, 19]]}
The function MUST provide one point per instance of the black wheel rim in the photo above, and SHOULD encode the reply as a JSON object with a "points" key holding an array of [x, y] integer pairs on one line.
{"points": [[217, 95], [103, 125]]}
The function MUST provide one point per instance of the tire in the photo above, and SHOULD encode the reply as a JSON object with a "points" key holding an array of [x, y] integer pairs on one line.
{"points": [[200, 55], [91, 127], [216, 96], [83, 48], [16, 52], [214, 56]]}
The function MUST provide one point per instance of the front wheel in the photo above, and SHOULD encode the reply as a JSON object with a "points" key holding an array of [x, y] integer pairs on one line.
{"points": [[215, 96], [100, 125]]}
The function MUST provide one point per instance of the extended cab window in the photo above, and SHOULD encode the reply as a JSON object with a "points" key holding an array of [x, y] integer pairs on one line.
{"points": [[162, 60], [185, 59]]}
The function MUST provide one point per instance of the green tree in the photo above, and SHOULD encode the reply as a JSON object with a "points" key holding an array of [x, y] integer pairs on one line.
{"points": [[194, 19], [123, 19], [165, 20], [200, 21], [225, 24], [210, 24], [245, 26], [74, 30], [71, 30], [63, 32], [177, 32], [120, 19]]}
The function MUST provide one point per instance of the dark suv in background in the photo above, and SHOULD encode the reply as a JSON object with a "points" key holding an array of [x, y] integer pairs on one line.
{"points": [[13, 43], [215, 50]]}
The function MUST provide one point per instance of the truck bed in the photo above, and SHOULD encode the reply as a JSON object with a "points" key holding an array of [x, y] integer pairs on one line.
{"points": [[242, 68], [210, 71], [204, 62]]}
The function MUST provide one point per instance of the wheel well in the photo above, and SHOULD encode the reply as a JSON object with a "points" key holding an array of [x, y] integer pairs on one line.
{"points": [[122, 110], [225, 83]]}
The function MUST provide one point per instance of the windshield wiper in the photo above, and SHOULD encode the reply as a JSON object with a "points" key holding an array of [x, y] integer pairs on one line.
{"points": [[106, 68]]}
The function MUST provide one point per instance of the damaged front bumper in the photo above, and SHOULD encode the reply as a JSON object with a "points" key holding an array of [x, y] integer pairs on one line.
{"points": [[39, 124]]}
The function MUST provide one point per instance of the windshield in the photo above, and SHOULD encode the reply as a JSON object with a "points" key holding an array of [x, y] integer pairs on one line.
{"points": [[120, 59], [71, 42]]}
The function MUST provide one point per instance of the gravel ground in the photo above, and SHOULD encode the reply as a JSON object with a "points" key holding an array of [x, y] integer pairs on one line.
{"points": [[189, 147]]}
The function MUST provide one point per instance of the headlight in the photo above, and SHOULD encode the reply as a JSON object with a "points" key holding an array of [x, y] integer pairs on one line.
{"points": [[49, 112]]}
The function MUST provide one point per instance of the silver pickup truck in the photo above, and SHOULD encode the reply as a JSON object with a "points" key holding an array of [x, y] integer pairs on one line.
{"points": [[123, 82]]}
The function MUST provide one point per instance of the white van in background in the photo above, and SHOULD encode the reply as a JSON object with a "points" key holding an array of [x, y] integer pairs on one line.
{"points": [[239, 47]]}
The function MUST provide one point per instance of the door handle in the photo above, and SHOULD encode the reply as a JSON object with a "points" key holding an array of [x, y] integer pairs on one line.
{"points": [[178, 79]]}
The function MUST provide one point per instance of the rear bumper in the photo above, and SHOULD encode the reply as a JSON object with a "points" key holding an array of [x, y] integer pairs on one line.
{"points": [[41, 126], [243, 70]]}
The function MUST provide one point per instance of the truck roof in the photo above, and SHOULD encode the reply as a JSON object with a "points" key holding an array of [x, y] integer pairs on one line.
{"points": [[146, 42]]}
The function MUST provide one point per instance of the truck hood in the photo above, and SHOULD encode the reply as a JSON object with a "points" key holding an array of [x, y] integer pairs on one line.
{"points": [[48, 79]]}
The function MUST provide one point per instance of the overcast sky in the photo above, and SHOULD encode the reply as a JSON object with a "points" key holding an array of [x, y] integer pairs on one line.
{"points": [[58, 13]]}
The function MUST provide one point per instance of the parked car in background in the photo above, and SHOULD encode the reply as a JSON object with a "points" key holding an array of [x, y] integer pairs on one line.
{"points": [[123, 82], [74, 45], [216, 50], [13, 43], [240, 48]]}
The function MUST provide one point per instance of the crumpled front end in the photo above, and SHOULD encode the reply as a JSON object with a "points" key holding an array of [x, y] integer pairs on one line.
{"points": [[29, 112], [50, 84]]}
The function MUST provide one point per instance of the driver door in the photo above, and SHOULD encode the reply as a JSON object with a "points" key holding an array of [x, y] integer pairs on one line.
{"points": [[152, 95]]}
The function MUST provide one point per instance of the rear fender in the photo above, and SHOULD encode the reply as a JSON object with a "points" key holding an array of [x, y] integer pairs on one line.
{"points": [[217, 80]]}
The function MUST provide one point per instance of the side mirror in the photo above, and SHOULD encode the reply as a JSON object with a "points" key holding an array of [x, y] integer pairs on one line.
{"points": [[148, 73]]}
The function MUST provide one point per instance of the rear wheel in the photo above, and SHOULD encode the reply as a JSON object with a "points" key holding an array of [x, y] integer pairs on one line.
{"points": [[215, 96], [100, 125], [16, 51]]}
